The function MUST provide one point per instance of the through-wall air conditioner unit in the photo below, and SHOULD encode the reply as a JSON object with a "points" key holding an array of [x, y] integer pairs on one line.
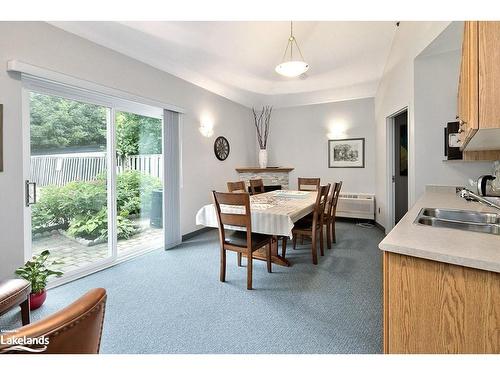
{"points": [[356, 205]]}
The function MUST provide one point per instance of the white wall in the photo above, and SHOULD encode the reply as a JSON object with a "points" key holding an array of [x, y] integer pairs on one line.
{"points": [[436, 87], [299, 139], [40, 44], [394, 93]]}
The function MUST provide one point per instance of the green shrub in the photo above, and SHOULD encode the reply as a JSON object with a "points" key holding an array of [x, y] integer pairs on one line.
{"points": [[58, 205], [50, 209], [80, 206], [89, 227], [84, 197], [95, 226], [125, 228], [134, 192]]}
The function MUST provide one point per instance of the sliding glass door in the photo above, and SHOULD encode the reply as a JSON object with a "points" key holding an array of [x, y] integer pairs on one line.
{"points": [[95, 187], [139, 183], [68, 190]]}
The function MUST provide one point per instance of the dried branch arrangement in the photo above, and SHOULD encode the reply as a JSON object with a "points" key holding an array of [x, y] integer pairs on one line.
{"points": [[262, 119]]}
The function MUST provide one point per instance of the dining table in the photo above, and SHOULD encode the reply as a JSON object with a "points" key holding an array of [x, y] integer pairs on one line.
{"points": [[272, 213]]}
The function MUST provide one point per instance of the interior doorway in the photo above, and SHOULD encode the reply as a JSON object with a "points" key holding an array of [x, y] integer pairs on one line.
{"points": [[397, 167], [401, 166]]}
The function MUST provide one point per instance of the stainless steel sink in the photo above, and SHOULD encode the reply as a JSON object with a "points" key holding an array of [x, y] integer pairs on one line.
{"points": [[458, 219], [462, 216]]}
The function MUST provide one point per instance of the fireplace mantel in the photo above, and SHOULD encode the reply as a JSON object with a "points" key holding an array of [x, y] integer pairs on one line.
{"points": [[262, 170]]}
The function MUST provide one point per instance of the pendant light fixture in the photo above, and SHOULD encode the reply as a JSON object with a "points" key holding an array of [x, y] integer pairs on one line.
{"points": [[292, 66]]}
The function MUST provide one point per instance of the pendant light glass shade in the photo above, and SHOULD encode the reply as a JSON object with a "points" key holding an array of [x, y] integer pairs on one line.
{"points": [[291, 66]]}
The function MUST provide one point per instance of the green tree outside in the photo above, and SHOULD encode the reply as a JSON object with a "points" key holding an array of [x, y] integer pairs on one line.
{"points": [[59, 124]]}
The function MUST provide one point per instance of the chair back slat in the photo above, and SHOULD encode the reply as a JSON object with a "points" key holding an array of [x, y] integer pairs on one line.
{"points": [[319, 207], [308, 184], [236, 220], [234, 199], [237, 186], [329, 201], [257, 186], [336, 198], [333, 197]]}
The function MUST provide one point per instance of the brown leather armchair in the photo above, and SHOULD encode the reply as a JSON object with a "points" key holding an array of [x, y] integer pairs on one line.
{"points": [[75, 329], [15, 292]]}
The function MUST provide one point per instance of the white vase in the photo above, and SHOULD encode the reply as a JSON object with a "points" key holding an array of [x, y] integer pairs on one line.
{"points": [[263, 158]]}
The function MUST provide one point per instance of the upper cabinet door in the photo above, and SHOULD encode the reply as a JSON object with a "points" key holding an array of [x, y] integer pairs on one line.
{"points": [[463, 83], [473, 89], [479, 91], [468, 83], [489, 74]]}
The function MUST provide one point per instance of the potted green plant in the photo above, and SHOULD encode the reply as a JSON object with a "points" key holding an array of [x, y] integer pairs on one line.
{"points": [[36, 272]]}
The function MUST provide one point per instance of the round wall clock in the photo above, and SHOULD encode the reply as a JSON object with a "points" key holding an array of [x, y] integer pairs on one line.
{"points": [[221, 148]]}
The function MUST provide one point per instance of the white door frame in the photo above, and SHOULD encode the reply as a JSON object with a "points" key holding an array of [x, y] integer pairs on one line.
{"points": [[25, 119], [173, 144], [111, 195], [390, 167]]}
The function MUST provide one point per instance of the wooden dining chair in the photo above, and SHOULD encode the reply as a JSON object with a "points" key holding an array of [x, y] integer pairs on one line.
{"points": [[241, 241], [76, 329], [330, 211], [313, 228], [308, 184], [257, 186], [237, 187]]}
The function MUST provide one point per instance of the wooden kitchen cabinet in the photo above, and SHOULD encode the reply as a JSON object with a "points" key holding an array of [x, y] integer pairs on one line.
{"points": [[468, 84], [489, 74], [435, 307], [479, 91]]}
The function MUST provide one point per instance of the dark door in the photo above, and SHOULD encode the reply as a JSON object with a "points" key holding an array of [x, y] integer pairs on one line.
{"points": [[401, 165]]}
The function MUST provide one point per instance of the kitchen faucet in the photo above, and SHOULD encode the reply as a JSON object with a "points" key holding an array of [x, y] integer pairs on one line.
{"points": [[469, 195]]}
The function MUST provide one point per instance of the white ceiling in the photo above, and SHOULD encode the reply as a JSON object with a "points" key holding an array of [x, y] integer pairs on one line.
{"points": [[237, 59]]}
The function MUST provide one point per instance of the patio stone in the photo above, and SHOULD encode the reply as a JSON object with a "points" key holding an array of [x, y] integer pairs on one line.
{"points": [[74, 255]]}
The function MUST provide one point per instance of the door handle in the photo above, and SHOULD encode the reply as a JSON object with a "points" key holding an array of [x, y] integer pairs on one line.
{"points": [[29, 198]]}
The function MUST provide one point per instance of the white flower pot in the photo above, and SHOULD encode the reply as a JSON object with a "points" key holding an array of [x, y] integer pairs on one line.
{"points": [[263, 158]]}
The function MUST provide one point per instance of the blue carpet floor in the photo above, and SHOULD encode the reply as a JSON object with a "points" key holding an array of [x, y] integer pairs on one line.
{"points": [[172, 301]]}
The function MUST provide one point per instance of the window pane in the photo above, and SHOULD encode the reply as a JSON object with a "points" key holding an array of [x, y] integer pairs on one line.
{"points": [[69, 167], [139, 183]]}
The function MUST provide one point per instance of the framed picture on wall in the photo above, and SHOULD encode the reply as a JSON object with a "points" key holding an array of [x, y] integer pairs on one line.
{"points": [[1, 137], [346, 153]]}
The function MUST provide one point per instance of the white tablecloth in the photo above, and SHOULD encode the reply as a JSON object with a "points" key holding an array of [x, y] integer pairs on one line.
{"points": [[272, 213]]}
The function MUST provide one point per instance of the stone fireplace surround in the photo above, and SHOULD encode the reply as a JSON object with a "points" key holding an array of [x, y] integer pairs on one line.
{"points": [[270, 176]]}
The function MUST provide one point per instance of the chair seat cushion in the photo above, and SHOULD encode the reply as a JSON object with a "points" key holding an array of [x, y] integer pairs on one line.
{"points": [[239, 238], [12, 292]]}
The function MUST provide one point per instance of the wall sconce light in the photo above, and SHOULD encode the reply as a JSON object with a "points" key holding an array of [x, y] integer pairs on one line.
{"points": [[206, 128], [337, 130]]}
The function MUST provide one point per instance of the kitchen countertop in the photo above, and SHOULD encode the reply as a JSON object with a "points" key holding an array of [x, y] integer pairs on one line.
{"points": [[464, 248]]}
